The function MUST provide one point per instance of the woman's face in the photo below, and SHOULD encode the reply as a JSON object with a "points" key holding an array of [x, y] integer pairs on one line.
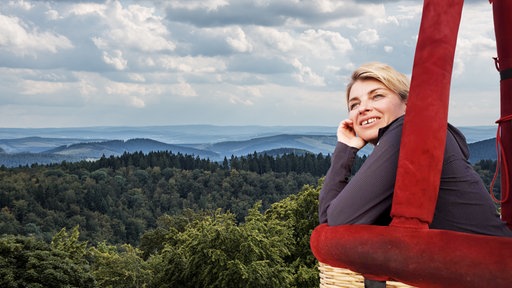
{"points": [[371, 107]]}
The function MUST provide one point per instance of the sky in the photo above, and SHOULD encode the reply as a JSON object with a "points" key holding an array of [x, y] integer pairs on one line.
{"points": [[220, 62]]}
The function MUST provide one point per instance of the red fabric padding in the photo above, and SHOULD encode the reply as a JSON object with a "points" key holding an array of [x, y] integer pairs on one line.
{"points": [[419, 257], [425, 123], [502, 12]]}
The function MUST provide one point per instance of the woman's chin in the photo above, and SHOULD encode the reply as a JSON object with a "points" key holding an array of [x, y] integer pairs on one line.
{"points": [[369, 137]]}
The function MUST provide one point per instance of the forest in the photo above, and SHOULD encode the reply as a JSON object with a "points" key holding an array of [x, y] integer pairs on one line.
{"points": [[164, 220]]}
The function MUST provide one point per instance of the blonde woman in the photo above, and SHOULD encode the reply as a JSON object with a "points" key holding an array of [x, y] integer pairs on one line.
{"points": [[377, 100]]}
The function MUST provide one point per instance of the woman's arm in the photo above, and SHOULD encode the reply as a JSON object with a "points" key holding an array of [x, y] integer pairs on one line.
{"points": [[337, 177], [368, 195]]}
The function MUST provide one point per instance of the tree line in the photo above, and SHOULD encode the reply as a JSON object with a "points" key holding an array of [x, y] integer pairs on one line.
{"points": [[261, 163], [118, 198], [164, 220]]}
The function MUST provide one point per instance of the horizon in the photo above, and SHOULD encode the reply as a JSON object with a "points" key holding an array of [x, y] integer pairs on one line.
{"points": [[208, 125], [176, 134]]}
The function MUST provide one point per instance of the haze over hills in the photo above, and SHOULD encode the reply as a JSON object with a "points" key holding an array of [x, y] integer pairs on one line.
{"points": [[178, 134], [50, 145]]}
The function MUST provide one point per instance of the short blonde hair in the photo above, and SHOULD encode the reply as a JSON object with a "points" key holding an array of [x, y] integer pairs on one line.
{"points": [[385, 74]]}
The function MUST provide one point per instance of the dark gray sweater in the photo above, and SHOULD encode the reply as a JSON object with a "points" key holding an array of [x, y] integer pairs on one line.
{"points": [[463, 202]]}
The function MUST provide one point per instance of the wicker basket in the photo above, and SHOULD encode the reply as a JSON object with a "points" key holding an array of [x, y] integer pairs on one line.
{"points": [[333, 277]]}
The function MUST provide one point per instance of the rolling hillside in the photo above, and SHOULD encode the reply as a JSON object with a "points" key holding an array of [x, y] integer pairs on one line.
{"points": [[312, 143], [26, 151], [118, 147]]}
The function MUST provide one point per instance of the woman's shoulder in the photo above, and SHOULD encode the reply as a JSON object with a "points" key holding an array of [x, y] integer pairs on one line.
{"points": [[458, 140]]}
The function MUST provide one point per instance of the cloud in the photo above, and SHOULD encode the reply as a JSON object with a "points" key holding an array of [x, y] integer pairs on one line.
{"points": [[274, 39], [31, 87], [24, 5], [368, 37], [189, 61], [17, 37], [245, 96], [208, 5], [130, 26], [306, 75], [238, 41], [115, 60], [325, 44], [136, 102], [189, 64], [183, 89], [261, 13]]}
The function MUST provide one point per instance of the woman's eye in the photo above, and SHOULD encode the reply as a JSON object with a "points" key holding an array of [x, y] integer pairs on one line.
{"points": [[377, 96], [353, 106]]}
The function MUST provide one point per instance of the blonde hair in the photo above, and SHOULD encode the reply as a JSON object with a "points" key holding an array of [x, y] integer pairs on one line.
{"points": [[385, 74]]}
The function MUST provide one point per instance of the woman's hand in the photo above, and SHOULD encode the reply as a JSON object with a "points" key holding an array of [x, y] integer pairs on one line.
{"points": [[347, 135]]}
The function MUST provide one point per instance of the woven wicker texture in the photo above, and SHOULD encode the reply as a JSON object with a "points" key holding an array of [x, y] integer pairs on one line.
{"points": [[334, 277]]}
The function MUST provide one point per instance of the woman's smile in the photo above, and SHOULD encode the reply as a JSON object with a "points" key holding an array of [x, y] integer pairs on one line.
{"points": [[369, 121]]}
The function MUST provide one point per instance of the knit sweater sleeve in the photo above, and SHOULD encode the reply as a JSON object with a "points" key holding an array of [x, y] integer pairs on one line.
{"points": [[337, 177], [365, 198]]}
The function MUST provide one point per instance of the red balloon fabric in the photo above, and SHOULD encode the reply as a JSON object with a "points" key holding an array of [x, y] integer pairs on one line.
{"points": [[418, 257], [425, 123], [502, 11]]}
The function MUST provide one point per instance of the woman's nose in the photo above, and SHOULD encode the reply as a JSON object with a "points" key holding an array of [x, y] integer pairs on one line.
{"points": [[364, 106]]}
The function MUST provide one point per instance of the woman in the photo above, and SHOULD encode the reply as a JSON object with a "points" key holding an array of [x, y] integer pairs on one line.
{"points": [[377, 101]]}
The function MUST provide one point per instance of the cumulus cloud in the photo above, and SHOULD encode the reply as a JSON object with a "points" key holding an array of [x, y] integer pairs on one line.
{"points": [[368, 37], [183, 89], [115, 59], [275, 39], [132, 26], [86, 87], [210, 56], [325, 44], [188, 64], [306, 75], [19, 38], [261, 13], [238, 41], [245, 96], [137, 77], [208, 5], [81, 9], [31, 87], [25, 5]]}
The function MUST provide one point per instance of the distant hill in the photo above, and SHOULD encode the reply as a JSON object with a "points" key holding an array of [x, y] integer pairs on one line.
{"points": [[29, 150], [482, 150], [27, 159], [172, 134], [118, 147], [215, 152], [312, 143], [186, 134], [36, 144]]}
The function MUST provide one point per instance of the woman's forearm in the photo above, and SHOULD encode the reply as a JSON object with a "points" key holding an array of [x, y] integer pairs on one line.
{"points": [[336, 178]]}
